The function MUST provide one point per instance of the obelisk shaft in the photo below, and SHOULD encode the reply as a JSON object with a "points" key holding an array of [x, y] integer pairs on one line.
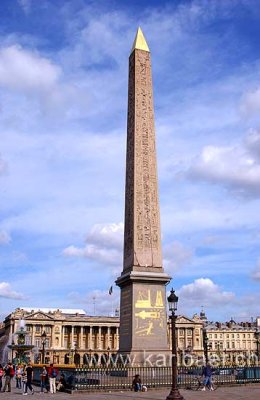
{"points": [[142, 238]]}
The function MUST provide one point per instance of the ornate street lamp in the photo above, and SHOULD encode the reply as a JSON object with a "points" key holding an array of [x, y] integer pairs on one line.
{"points": [[174, 393], [43, 336], [205, 344]]}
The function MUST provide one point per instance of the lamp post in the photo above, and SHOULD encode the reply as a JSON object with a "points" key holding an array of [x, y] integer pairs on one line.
{"points": [[174, 393], [205, 344], [43, 336]]}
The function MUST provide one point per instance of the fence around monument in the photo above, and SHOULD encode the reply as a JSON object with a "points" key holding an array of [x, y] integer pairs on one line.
{"points": [[106, 378]]}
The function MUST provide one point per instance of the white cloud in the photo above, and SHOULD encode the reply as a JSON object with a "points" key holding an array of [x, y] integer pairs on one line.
{"points": [[94, 252], [203, 291], [26, 71], [4, 237], [8, 293], [104, 244], [107, 235], [234, 167]]}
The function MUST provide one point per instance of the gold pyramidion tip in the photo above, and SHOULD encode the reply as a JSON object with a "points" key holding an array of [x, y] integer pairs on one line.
{"points": [[140, 42]]}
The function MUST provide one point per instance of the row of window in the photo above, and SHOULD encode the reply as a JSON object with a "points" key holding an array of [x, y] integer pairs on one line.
{"points": [[230, 345], [66, 341], [181, 332], [232, 335], [38, 328], [66, 329]]}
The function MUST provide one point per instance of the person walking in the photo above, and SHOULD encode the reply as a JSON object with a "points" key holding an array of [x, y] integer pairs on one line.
{"points": [[44, 379], [52, 374], [207, 373], [8, 374], [29, 376]]}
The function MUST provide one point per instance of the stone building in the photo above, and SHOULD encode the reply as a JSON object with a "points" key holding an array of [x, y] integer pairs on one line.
{"points": [[189, 338], [74, 337], [71, 335], [233, 341]]}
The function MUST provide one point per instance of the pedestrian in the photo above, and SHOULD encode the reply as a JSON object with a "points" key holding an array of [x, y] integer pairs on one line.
{"points": [[1, 376], [24, 379], [44, 379], [29, 376], [8, 374], [137, 384], [18, 376], [207, 373], [52, 374]]}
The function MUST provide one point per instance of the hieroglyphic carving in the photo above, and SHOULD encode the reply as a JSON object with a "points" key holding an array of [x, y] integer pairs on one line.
{"points": [[129, 185], [142, 241]]}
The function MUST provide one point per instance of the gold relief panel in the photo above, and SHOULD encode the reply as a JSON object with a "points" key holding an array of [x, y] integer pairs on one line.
{"points": [[149, 311]]}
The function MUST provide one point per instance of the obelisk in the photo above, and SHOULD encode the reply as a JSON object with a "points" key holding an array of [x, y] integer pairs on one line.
{"points": [[143, 329]]}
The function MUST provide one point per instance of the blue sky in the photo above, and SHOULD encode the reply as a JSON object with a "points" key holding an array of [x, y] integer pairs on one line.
{"points": [[63, 100]]}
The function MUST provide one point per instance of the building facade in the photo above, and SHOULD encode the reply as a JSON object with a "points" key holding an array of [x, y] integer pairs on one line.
{"points": [[73, 337], [233, 342], [70, 336]]}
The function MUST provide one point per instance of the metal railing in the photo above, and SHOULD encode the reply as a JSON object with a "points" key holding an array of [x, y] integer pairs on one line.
{"points": [[106, 378]]}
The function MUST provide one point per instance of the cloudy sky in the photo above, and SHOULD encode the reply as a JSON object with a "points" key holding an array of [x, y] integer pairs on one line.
{"points": [[63, 100]]}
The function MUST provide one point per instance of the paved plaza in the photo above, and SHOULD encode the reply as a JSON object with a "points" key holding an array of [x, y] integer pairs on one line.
{"points": [[247, 392]]}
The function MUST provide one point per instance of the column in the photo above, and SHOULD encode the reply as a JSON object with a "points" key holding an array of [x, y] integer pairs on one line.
{"points": [[117, 337], [33, 334], [177, 337], [52, 344], [193, 343], [108, 337], [99, 337], [90, 339], [185, 339], [62, 336], [72, 337], [81, 343]]}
